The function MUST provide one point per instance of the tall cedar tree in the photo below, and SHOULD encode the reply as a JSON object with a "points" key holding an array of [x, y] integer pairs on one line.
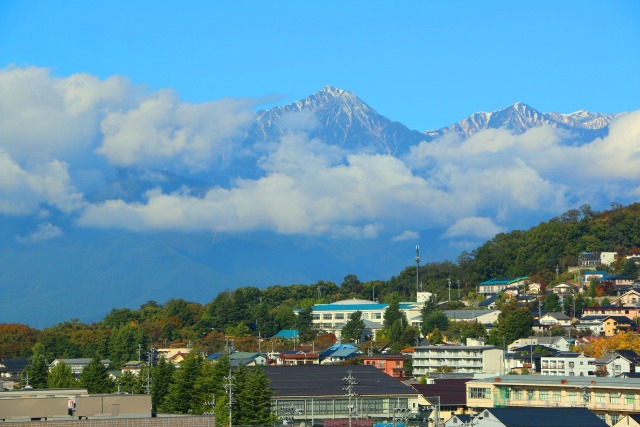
{"points": [[255, 395], [304, 322], [393, 313], [37, 372], [179, 399], [161, 379], [95, 378]]}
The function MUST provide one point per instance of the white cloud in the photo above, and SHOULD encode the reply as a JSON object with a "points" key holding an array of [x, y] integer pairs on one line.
{"points": [[44, 117], [44, 232], [162, 130], [23, 191], [406, 235], [474, 227]]}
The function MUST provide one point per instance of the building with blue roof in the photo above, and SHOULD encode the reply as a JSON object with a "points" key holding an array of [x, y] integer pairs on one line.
{"points": [[332, 317], [288, 334]]}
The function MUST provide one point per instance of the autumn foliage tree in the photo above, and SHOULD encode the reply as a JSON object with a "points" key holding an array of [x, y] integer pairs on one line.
{"points": [[621, 341]]}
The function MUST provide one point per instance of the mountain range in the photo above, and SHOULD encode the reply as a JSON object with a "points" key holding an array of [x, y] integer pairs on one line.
{"points": [[83, 273]]}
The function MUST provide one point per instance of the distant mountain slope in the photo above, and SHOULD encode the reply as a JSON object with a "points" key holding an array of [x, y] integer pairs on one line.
{"points": [[343, 119], [581, 126]]}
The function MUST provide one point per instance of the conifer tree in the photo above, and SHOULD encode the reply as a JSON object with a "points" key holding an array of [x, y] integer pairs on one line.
{"points": [[179, 399], [161, 379], [37, 372], [95, 378], [254, 399], [62, 377]]}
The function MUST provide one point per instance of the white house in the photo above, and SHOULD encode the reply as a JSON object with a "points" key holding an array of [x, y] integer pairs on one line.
{"points": [[613, 364], [556, 319], [558, 343], [568, 364], [480, 316]]}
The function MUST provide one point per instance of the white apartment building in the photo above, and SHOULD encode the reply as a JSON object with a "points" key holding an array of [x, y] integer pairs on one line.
{"points": [[461, 358], [568, 364]]}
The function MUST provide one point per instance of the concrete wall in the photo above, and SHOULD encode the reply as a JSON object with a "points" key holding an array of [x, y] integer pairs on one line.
{"points": [[14, 407]]}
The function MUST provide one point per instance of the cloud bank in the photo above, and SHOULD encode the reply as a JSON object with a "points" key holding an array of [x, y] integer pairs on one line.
{"points": [[59, 129]]}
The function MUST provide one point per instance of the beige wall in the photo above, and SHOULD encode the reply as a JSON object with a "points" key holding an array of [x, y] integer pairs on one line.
{"points": [[86, 406]]}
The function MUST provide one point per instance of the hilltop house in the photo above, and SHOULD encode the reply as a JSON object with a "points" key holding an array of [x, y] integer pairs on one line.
{"points": [[495, 286]]}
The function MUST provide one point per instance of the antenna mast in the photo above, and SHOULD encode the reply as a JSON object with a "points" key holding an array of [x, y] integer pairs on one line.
{"points": [[417, 270]]}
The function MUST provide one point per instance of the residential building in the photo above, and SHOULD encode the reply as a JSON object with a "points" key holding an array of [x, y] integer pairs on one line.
{"points": [[458, 358], [133, 366], [617, 281], [629, 298], [555, 319], [613, 364], [590, 275], [391, 364], [535, 417], [11, 372], [613, 325], [596, 259], [312, 394], [451, 393], [611, 310], [298, 357], [486, 317], [76, 365], [565, 289], [609, 398], [489, 303], [287, 334], [495, 286], [338, 353], [567, 363], [557, 343], [593, 324], [248, 359]]}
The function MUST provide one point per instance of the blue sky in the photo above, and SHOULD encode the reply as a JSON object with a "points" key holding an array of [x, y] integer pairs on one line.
{"points": [[426, 64]]}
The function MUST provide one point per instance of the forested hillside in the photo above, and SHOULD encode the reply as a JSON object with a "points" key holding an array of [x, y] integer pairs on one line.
{"points": [[250, 313]]}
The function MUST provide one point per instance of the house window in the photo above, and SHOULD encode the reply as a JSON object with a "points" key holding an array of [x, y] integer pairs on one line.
{"points": [[629, 398], [326, 316], [377, 316], [530, 394], [614, 419], [543, 395], [614, 398], [316, 317], [571, 395], [557, 396], [600, 398], [479, 393], [517, 394], [339, 316]]}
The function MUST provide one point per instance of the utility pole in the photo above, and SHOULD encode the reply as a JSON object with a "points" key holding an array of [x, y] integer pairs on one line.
{"points": [[449, 282], [458, 288], [229, 389], [350, 381]]}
